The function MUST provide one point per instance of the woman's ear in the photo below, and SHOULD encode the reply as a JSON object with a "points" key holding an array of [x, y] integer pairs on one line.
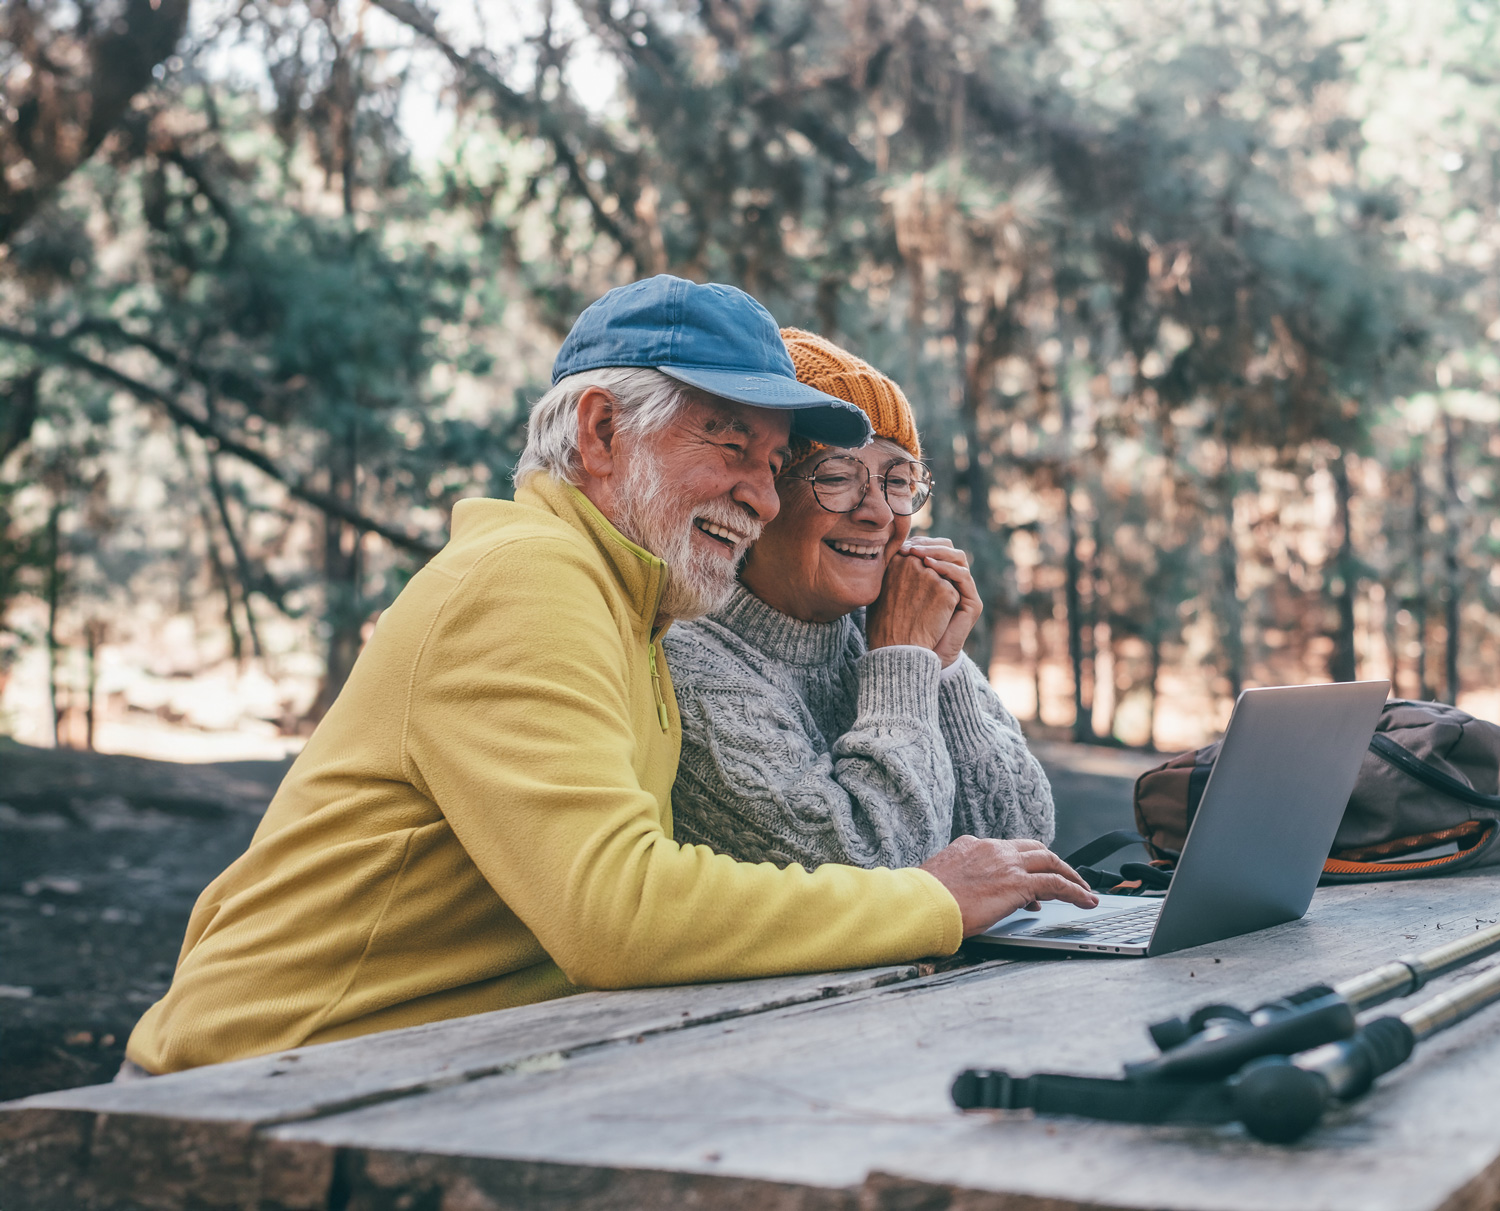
{"points": [[596, 432]]}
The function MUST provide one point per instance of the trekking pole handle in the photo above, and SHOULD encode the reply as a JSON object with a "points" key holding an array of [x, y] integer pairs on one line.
{"points": [[1410, 972], [1280, 1100]]}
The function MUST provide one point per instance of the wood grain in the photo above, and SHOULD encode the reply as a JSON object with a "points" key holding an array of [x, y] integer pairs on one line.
{"points": [[814, 1095]]}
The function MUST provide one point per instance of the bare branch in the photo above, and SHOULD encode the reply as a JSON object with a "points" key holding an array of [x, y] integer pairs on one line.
{"points": [[535, 117], [22, 409], [61, 352]]}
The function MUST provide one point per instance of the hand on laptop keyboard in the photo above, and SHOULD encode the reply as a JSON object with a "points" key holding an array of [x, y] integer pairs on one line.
{"points": [[991, 879]]}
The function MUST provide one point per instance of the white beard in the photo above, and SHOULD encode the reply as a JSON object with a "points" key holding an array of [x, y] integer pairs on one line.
{"points": [[652, 516]]}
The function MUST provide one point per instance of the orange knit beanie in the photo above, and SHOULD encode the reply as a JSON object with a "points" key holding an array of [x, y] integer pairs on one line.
{"points": [[822, 364]]}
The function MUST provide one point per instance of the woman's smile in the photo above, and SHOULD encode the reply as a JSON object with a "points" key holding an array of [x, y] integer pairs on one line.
{"points": [[818, 565], [856, 550]]}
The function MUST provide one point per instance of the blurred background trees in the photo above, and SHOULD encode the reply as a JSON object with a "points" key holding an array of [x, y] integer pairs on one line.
{"points": [[1197, 303]]}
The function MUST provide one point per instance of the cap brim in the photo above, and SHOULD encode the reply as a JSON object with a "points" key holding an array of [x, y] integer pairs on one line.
{"points": [[815, 416]]}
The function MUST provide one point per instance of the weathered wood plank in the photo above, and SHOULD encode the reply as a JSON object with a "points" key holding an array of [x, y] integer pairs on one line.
{"points": [[823, 1095], [827, 1101], [190, 1138], [312, 1081]]}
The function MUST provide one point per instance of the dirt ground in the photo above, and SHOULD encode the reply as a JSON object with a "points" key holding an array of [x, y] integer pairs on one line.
{"points": [[101, 859]]}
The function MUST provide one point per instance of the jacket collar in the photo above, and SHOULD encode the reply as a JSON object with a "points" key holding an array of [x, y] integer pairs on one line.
{"points": [[640, 574]]}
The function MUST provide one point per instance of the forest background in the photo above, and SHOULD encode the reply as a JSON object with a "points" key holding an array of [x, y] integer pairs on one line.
{"points": [[1197, 302]]}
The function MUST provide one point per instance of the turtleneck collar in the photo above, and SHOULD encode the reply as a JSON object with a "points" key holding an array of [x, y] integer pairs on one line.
{"points": [[780, 635]]}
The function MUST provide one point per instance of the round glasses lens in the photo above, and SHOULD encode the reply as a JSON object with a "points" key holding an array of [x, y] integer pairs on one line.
{"points": [[907, 487], [839, 483]]}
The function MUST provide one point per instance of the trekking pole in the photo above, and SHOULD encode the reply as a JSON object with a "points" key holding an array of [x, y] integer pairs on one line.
{"points": [[1189, 1082], [1217, 1040], [1407, 975], [1280, 1100]]}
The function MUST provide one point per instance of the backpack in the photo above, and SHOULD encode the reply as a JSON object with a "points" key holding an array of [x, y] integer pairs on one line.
{"points": [[1431, 781], [1429, 784]]}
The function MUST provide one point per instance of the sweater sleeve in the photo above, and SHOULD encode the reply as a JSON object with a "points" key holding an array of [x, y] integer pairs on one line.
{"points": [[1002, 788], [755, 783], [526, 747]]}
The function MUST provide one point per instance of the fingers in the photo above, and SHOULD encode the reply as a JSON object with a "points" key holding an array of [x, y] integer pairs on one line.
{"points": [[916, 605], [1050, 878], [953, 565], [944, 551], [945, 562], [912, 566], [1055, 887], [959, 576], [1046, 862], [992, 878]]}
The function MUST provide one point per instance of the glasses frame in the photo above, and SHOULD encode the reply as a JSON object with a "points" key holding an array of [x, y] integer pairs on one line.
{"points": [[870, 476]]}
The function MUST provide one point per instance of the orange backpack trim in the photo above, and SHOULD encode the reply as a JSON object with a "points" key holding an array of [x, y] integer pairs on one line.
{"points": [[1470, 835]]}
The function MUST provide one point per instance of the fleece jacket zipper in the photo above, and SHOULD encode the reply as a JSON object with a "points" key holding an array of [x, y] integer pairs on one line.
{"points": [[661, 705]]}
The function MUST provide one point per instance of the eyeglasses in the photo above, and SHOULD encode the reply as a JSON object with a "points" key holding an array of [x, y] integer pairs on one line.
{"points": [[840, 484]]}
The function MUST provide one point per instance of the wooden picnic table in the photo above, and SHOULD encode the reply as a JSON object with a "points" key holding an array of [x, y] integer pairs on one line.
{"points": [[801, 1093]]}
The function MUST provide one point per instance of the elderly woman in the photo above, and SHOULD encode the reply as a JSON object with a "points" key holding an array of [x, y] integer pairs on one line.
{"points": [[828, 711]]}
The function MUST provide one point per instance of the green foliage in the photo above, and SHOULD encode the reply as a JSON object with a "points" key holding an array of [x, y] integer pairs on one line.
{"points": [[1154, 281]]}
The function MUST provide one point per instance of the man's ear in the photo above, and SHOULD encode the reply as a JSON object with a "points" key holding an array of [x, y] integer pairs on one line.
{"points": [[596, 432]]}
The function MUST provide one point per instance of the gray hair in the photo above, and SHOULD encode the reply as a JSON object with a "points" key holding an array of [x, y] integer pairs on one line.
{"points": [[645, 400]]}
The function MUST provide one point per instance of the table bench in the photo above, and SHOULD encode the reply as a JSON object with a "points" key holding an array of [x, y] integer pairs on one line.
{"points": [[811, 1092]]}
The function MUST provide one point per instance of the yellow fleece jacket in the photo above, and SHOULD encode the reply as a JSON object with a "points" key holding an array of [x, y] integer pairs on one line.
{"points": [[483, 820]]}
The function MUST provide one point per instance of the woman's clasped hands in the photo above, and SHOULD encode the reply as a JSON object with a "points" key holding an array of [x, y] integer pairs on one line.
{"points": [[928, 600]]}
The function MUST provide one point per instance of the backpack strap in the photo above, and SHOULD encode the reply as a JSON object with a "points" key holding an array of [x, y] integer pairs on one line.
{"points": [[1129, 879], [1409, 763], [1103, 846]]}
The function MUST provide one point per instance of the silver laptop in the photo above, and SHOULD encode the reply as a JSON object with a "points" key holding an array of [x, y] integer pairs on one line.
{"points": [[1256, 846]]}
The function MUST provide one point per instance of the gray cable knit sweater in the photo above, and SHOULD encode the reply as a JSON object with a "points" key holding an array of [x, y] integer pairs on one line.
{"points": [[800, 745]]}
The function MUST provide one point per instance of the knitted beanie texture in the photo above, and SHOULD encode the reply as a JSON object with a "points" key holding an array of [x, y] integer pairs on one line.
{"points": [[823, 365]]}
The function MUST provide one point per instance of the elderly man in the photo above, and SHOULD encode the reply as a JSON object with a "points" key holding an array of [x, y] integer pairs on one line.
{"points": [[483, 819]]}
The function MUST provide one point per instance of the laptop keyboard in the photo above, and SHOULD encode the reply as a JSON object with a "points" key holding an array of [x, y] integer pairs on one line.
{"points": [[1131, 927]]}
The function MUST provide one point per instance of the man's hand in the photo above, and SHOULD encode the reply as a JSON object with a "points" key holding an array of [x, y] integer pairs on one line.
{"points": [[942, 557], [991, 879], [915, 606]]}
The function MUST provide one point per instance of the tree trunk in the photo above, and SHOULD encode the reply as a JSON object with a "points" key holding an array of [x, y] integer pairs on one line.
{"points": [[342, 574], [54, 603], [1151, 700], [243, 570], [1083, 724], [93, 636], [1035, 654], [1418, 606], [975, 479], [1453, 576], [215, 560], [226, 586], [1232, 613], [1392, 636], [1117, 679], [1341, 664]]}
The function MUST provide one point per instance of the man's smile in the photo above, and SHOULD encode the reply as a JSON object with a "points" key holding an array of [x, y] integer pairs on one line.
{"points": [[732, 539]]}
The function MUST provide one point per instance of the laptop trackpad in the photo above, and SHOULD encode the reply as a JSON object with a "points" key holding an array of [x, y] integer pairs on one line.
{"points": [[1059, 912]]}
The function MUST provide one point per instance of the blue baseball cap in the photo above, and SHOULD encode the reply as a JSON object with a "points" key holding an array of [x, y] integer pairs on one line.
{"points": [[715, 338]]}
